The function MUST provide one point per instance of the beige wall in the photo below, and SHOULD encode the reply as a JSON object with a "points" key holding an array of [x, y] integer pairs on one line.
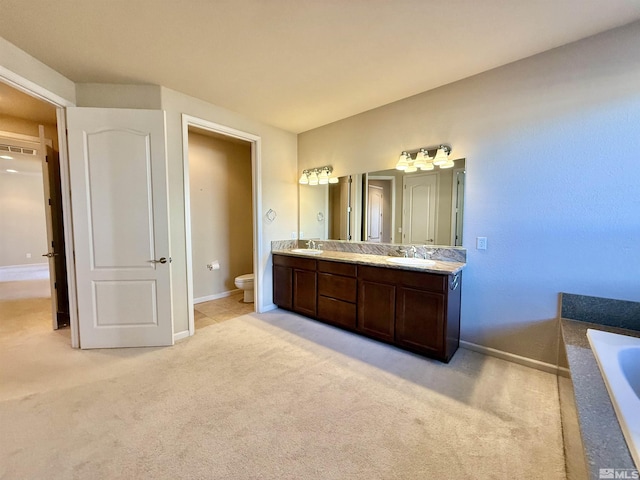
{"points": [[27, 127], [23, 228], [221, 212], [537, 136]]}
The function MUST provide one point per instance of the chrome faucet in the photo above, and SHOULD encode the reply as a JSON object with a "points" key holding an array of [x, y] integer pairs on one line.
{"points": [[311, 244]]}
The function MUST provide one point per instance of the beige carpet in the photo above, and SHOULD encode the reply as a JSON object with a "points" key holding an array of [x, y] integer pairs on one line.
{"points": [[272, 396]]}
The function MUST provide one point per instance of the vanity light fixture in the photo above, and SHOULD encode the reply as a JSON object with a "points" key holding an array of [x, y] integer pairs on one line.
{"points": [[423, 160], [317, 176]]}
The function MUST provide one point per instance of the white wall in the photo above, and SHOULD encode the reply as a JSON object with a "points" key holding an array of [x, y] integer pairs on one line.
{"points": [[14, 61], [221, 206], [314, 201], [23, 228], [279, 184], [552, 145]]}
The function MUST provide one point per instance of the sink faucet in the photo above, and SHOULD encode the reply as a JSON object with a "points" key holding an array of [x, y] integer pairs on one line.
{"points": [[413, 250], [311, 244]]}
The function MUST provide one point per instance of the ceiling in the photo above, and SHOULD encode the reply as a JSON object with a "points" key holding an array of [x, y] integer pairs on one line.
{"points": [[297, 64]]}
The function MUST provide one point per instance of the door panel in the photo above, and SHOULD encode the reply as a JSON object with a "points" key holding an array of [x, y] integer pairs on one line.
{"points": [[419, 209], [117, 162]]}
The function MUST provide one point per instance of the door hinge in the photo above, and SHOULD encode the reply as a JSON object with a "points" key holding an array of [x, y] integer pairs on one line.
{"points": [[49, 202], [55, 285], [46, 158]]}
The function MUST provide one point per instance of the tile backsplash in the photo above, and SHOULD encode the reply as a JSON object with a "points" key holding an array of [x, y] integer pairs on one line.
{"points": [[447, 254]]}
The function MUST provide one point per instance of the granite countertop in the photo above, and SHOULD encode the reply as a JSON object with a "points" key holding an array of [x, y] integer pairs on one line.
{"points": [[441, 267], [604, 443]]}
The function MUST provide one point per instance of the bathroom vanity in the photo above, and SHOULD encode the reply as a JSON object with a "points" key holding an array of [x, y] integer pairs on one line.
{"points": [[413, 307]]}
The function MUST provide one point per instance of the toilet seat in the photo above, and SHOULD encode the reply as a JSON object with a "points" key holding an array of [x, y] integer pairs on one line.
{"points": [[247, 277]]}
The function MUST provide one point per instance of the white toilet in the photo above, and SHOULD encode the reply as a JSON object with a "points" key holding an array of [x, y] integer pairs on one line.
{"points": [[245, 283]]}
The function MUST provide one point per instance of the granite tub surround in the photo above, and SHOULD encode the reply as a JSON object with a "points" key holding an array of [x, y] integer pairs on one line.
{"points": [[602, 311], [602, 438]]}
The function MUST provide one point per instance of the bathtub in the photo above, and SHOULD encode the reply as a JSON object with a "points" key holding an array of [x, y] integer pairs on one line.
{"points": [[618, 357]]}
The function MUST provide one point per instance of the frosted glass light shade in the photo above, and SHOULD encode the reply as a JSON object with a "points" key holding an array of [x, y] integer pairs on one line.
{"points": [[304, 180], [441, 157], [447, 164], [421, 160], [403, 161], [334, 180], [411, 169], [313, 178], [323, 178], [428, 165]]}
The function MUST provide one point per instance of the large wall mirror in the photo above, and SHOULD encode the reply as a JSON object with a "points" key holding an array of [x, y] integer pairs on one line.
{"points": [[387, 206]]}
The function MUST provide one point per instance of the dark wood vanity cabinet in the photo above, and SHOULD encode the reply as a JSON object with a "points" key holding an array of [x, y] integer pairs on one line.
{"points": [[295, 284], [417, 311], [337, 293]]}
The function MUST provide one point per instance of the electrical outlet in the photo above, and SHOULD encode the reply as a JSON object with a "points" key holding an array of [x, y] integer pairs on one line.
{"points": [[481, 243], [294, 235]]}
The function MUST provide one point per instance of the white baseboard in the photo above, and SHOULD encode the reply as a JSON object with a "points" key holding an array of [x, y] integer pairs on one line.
{"points": [[215, 296], [511, 357], [25, 266], [180, 335], [268, 308]]}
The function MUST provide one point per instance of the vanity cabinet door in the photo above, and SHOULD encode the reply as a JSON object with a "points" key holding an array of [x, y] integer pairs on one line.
{"points": [[305, 292], [283, 286], [376, 309], [420, 320]]}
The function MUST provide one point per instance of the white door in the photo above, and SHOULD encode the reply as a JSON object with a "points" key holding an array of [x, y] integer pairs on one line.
{"points": [[375, 220], [118, 172], [419, 209]]}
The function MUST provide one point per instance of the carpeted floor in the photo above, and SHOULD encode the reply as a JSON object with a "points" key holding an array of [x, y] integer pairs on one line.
{"points": [[271, 396]]}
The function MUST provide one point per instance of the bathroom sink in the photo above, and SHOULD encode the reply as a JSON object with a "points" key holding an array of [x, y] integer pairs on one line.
{"points": [[310, 251], [618, 357], [413, 262]]}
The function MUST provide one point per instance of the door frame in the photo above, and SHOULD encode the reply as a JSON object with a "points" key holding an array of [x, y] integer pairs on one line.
{"points": [[392, 180], [256, 194], [31, 88]]}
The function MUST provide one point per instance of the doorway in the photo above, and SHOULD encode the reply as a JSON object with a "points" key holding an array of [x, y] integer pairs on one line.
{"points": [[230, 220], [33, 267]]}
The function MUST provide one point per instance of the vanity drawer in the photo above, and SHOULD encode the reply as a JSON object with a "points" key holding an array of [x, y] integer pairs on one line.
{"points": [[337, 286], [294, 262], [337, 312], [348, 269]]}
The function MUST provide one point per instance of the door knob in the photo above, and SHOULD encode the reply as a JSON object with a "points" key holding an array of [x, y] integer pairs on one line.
{"points": [[50, 254], [162, 260]]}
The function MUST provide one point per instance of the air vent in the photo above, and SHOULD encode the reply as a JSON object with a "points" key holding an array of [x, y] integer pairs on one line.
{"points": [[15, 149]]}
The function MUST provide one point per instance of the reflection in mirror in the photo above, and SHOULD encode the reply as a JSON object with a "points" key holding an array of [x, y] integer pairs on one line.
{"points": [[388, 206]]}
